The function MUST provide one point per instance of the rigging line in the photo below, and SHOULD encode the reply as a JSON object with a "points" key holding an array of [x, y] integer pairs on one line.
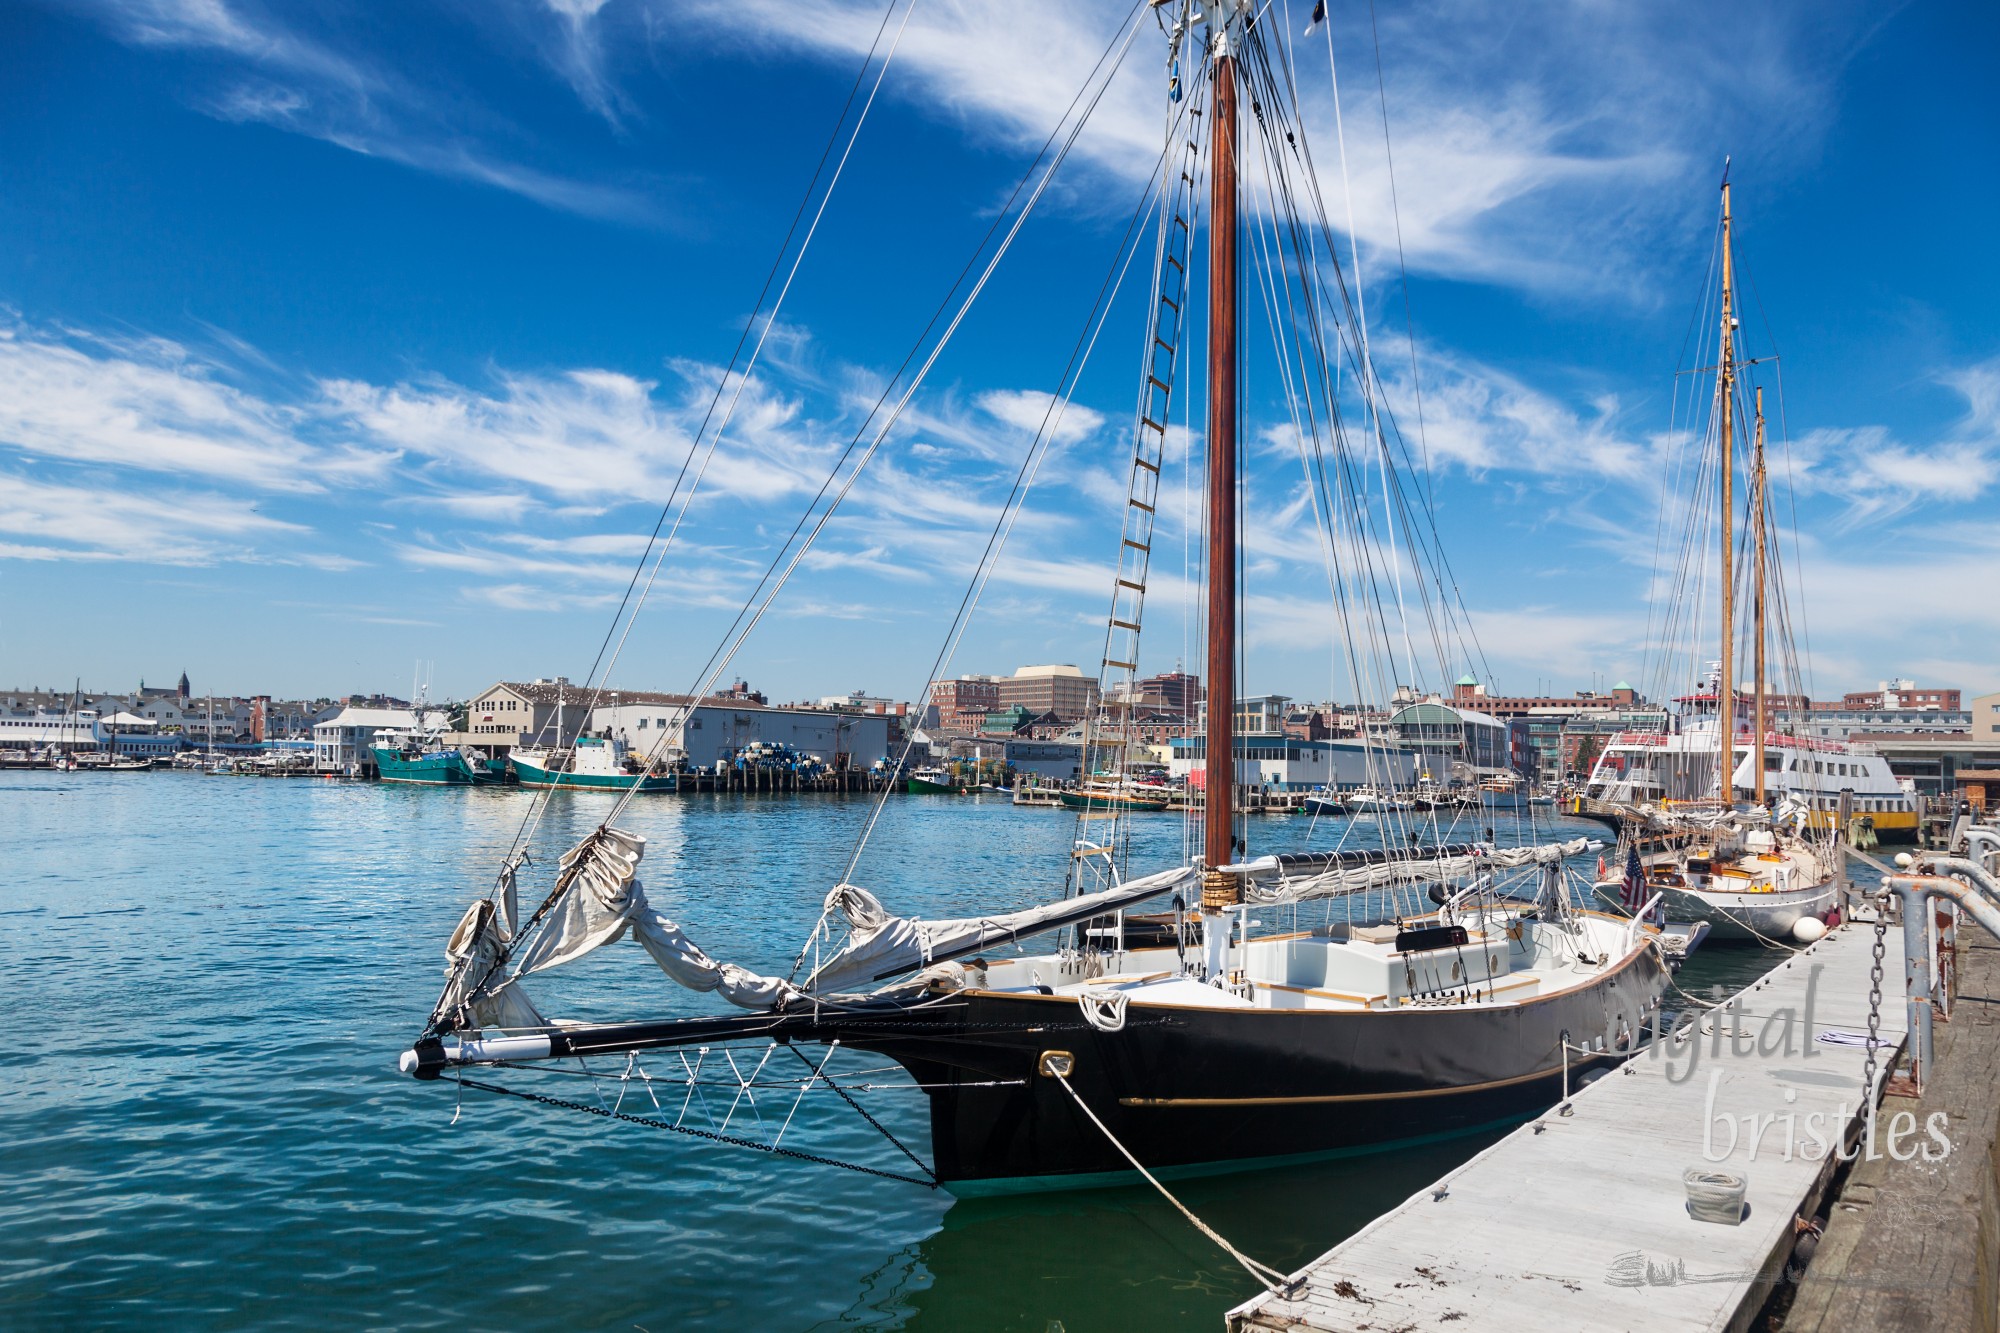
{"points": [[1370, 389], [826, 1078], [566, 1104], [1431, 556], [1334, 419], [743, 380], [734, 637], [1269, 280], [1024, 479], [1396, 211], [533, 815]]}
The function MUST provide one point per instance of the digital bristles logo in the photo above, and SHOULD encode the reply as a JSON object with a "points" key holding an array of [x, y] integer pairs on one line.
{"points": [[1712, 1038]]}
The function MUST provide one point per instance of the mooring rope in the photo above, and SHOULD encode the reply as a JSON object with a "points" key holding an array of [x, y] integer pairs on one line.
{"points": [[1273, 1281]]}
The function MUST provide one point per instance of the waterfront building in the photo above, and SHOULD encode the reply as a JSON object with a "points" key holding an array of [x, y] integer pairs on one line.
{"points": [[1550, 744], [720, 726], [1458, 744], [1176, 690], [341, 742], [1285, 763], [859, 701], [134, 736], [1469, 693], [960, 706], [1984, 715], [1015, 721], [1900, 694], [1262, 715], [1931, 763], [1059, 688], [1843, 723], [32, 719], [543, 712]]}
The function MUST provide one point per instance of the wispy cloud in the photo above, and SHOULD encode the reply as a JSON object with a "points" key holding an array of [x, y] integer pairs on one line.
{"points": [[579, 58], [149, 404], [1878, 475], [278, 73], [1548, 149], [61, 522]]}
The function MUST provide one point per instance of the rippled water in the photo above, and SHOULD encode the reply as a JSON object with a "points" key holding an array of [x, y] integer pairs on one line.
{"points": [[210, 979]]}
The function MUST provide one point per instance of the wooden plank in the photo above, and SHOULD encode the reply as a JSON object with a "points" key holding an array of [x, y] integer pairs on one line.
{"points": [[1910, 1244], [1579, 1221]]}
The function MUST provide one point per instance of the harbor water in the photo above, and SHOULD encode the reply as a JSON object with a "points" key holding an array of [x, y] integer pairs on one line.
{"points": [[210, 980]]}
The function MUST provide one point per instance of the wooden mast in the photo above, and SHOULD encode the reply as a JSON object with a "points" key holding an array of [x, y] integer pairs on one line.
{"points": [[1757, 583], [1725, 689], [1219, 770]]}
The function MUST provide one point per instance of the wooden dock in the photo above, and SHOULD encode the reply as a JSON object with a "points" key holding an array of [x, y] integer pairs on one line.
{"points": [[1580, 1220]]}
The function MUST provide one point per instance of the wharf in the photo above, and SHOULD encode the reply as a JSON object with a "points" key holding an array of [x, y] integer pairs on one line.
{"points": [[1916, 1245], [1580, 1220]]}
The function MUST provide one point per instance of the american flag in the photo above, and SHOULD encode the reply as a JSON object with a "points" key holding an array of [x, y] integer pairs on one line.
{"points": [[1633, 892]]}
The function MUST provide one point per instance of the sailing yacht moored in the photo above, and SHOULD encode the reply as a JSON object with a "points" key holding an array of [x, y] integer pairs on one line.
{"points": [[1735, 828], [1464, 989]]}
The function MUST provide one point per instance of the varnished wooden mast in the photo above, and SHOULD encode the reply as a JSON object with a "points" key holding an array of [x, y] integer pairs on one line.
{"points": [[1757, 583], [1219, 771], [1725, 393]]}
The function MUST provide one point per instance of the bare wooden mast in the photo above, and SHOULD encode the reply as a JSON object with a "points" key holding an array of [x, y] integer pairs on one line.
{"points": [[1757, 583], [1725, 393], [1219, 769]]}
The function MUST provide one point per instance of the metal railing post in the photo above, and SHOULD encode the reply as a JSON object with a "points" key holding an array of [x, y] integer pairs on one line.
{"points": [[1911, 891]]}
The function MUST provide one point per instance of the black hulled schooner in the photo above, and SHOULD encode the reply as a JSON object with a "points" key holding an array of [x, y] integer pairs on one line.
{"points": [[1162, 1025]]}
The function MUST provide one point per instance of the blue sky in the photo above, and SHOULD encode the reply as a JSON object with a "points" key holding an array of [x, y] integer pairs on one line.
{"points": [[334, 337]]}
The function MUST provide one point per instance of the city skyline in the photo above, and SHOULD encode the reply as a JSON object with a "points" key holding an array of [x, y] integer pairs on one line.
{"points": [[314, 362]]}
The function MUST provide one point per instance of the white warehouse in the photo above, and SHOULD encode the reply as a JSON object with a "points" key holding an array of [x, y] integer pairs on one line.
{"points": [[719, 728]]}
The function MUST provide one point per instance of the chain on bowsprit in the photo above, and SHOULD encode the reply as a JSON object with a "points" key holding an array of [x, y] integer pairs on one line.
{"points": [[1875, 999]]}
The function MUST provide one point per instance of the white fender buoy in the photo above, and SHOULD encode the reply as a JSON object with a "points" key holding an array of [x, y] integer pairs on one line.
{"points": [[1807, 929]]}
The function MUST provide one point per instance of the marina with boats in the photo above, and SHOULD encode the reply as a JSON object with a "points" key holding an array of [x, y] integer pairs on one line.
{"points": [[1094, 995]]}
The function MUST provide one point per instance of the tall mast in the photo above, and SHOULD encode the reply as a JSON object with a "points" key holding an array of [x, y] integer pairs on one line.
{"points": [[1725, 392], [1219, 771], [1757, 583]]}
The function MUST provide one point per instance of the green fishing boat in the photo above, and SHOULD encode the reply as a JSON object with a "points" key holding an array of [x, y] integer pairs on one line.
{"points": [[592, 765], [436, 768]]}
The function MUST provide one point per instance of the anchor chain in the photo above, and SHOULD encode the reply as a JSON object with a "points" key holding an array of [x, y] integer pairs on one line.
{"points": [[1875, 1001]]}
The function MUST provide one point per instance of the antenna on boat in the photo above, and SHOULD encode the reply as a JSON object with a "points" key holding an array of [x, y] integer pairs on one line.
{"points": [[1219, 891]]}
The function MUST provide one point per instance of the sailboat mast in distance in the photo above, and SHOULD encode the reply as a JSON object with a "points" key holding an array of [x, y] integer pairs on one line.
{"points": [[1725, 392], [1219, 770], [1757, 583]]}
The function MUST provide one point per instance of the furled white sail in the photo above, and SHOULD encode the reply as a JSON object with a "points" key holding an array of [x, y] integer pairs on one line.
{"points": [[603, 901], [881, 945], [1270, 881]]}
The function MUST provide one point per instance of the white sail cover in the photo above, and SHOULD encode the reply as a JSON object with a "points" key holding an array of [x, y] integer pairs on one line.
{"points": [[880, 945], [1270, 885], [604, 900]]}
